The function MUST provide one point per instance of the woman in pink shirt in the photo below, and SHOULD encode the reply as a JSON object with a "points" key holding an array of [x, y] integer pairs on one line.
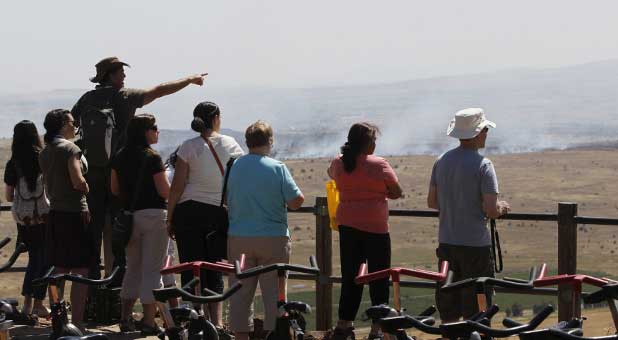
{"points": [[364, 182]]}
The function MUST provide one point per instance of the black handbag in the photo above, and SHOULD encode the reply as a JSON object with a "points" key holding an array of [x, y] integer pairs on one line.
{"points": [[122, 228]]}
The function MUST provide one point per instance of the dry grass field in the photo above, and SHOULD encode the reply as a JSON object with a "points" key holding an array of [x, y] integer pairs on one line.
{"points": [[531, 182]]}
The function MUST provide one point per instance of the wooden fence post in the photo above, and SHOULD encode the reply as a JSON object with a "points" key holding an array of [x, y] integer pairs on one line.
{"points": [[324, 256], [569, 302]]}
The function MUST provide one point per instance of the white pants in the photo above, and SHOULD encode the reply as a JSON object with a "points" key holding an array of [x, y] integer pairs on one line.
{"points": [[145, 254]]}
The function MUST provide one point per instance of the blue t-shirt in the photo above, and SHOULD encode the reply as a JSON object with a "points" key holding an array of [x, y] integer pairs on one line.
{"points": [[257, 191], [462, 176]]}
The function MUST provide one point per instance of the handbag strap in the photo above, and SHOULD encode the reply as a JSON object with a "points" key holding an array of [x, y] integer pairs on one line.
{"points": [[214, 153], [227, 175], [138, 184]]}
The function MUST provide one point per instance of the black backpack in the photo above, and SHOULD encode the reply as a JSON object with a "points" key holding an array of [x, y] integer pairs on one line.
{"points": [[98, 133]]}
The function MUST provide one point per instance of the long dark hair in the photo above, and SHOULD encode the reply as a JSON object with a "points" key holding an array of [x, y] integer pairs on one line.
{"points": [[203, 116], [25, 151], [137, 128], [54, 121], [360, 136]]}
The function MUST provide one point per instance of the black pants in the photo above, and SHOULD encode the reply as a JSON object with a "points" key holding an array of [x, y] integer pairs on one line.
{"points": [[357, 247], [99, 203], [34, 237], [195, 226]]}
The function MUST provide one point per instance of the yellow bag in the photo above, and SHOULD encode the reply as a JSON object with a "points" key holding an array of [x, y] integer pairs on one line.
{"points": [[332, 197]]}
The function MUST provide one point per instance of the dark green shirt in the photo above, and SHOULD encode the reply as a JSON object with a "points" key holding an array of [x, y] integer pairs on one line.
{"points": [[54, 162], [125, 102]]}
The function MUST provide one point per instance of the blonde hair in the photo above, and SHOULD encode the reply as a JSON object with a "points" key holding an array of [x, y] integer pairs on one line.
{"points": [[258, 134]]}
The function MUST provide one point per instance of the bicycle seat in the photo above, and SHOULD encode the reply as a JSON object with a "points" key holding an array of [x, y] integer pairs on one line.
{"points": [[297, 306], [608, 291], [380, 311], [97, 336], [183, 314]]}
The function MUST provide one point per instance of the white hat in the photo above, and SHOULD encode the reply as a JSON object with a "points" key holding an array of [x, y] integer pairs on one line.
{"points": [[468, 123]]}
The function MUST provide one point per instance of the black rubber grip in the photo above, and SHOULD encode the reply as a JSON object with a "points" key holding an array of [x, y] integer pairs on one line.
{"points": [[18, 250], [501, 333], [607, 292], [4, 242], [48, 277], [392, 324], [165, 294], [281, 267]]}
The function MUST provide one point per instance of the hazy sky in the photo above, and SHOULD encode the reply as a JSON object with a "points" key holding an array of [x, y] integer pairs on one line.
{"points": [[55, 44]]}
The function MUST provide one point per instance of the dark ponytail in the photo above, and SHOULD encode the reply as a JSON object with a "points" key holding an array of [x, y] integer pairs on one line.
{"points": [[54, 121], [360, 136], [203, 116]]}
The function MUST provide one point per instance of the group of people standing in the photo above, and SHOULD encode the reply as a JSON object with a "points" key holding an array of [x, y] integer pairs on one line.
{"points": [[217, 202]]}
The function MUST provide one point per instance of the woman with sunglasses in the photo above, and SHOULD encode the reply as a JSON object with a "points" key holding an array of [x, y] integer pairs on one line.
{"points": [[139, 180]]}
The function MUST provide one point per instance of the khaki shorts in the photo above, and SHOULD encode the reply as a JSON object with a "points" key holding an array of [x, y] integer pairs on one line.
{"points": [[465, 262], [258, 251]]}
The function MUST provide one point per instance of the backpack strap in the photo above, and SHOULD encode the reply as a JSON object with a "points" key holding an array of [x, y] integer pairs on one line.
{"points": [[138, 184]]}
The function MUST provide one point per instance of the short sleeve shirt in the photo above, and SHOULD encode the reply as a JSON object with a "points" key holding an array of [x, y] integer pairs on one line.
{"points": [[362, 193], [205, 180], [54, 162], [461, 177], [126, 102], [128, 163], [257, 192]]}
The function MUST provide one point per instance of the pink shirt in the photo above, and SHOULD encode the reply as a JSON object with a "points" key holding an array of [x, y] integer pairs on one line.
{"points": [[362, 193]]}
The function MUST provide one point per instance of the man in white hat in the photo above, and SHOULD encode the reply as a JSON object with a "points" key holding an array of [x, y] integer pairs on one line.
{"points": [[464, 188]]}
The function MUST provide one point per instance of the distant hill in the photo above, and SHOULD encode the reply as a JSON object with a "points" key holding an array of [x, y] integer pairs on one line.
{"points": [[535, 109]]}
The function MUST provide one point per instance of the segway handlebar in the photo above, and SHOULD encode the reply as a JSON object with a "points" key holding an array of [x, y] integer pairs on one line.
{"points": [[395, 274], [575, 280], [49, 277], [279, 267], [18, 250]]}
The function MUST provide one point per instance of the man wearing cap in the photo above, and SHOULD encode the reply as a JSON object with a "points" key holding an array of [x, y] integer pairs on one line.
{"points": [[110, 96], [464, 188]]}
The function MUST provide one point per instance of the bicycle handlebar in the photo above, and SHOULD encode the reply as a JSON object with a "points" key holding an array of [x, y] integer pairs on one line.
{"points": [[280, 267], [4, 242], [18, 250], [608, 291], [395, 273], [565, 335], [502, 333], [195, 266], [48, 278], [494, 282], [575, 280], [164, 294]]}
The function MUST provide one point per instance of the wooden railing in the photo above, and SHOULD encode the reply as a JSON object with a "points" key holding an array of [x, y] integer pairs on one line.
{"points": [[567, 222]]}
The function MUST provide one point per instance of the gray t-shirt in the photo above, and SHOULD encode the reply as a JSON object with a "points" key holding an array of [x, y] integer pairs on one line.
{"points": [[461, 177], [54, 162]]}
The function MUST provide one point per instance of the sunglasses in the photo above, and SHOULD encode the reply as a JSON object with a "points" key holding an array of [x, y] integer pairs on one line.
{"points": [[154, 128]]}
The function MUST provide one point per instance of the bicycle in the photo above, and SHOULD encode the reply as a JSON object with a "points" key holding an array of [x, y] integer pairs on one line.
{"points": [[59, 316], [185, 322], [9, 314], [608, 293], [376, 313], [290, 323]]}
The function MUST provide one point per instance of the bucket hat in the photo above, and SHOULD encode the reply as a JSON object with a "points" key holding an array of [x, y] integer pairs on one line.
{"points": [[104, 66], [468, 123]]}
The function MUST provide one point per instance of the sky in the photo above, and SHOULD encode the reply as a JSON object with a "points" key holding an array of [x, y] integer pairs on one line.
{"points": [[50, 45]]}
